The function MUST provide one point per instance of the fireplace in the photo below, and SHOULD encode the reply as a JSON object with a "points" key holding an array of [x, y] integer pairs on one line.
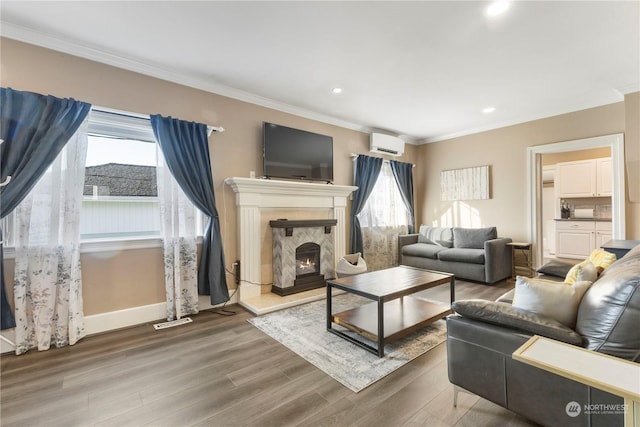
{"points": [[256, 199], [302, 255]]}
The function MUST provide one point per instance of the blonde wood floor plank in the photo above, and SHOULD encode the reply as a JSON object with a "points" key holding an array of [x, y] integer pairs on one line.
{"points": [[222, 371]]}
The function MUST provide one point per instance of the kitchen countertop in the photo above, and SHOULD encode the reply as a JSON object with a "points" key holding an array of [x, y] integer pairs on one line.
{"points": [[583, 219]]}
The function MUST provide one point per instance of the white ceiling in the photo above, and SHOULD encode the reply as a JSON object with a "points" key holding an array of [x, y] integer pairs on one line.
{"points": [[421, 70]]}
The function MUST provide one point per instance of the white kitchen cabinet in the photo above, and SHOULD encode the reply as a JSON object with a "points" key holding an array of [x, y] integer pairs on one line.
{"points": [[577, 239], [584, 178], [603, 177], [603, 233]]}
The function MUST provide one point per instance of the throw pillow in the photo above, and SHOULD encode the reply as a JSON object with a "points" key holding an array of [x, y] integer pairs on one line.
{"points": [[556, 300], [587, 272], [600, 258], [555, 268]]}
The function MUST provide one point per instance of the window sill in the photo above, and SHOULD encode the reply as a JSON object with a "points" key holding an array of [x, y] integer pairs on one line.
{"points": [[109, 245]]}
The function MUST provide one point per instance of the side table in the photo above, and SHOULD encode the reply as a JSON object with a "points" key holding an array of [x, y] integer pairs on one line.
{"points": [[611, 374], [619, 247], [521, 259]]}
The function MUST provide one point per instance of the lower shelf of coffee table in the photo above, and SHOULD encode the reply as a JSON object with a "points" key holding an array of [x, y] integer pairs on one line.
{"points": [[401, 316]]}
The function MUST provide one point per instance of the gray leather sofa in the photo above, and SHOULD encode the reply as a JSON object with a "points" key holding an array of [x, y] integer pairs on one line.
{"points": [[483, 335], [468, 253]]}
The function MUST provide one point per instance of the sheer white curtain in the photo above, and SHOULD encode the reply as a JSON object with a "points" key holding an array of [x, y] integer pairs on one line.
{"points": [[48, 278], [178, 220], [382, 219]]}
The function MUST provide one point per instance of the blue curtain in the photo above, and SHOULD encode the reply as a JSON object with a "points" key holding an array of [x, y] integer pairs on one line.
{"points": [[367, 170], [186, 151], [403, 173], [34, 129]]}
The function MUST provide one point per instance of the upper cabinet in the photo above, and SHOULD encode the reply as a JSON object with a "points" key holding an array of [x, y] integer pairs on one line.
{"points": [[585, 178], [603, 177]]}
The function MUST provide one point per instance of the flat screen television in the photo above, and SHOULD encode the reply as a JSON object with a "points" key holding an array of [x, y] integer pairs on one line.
{"points": [[296, 154]]}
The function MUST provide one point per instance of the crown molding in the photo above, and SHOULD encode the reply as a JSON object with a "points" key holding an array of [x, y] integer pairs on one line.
{"points": [[60, 44], [616, 96]]}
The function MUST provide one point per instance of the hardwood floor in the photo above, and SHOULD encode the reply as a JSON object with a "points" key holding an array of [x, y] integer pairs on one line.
{"points": [[222, 371]]}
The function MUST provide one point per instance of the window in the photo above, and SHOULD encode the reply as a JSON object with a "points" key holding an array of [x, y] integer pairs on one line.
{"points": [[384, 207], [120, 197], [120, 191], [382, 219]]}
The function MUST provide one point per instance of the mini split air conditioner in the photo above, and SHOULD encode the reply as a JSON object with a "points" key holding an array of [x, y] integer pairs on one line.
{"points": [[386, 144]]}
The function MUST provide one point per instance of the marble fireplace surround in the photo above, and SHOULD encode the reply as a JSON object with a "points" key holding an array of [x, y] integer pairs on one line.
{"points": [[255, 195], [288, 237]]}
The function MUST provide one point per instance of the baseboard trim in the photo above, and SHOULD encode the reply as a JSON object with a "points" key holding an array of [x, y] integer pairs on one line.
{"points": [[105, 322]]}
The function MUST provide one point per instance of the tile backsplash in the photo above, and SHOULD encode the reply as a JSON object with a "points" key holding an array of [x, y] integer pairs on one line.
{"points": [[598, 207]]}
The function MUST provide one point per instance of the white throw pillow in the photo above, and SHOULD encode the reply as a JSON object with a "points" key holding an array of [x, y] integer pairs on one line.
{"points": [[587, 272], [556, 300]]}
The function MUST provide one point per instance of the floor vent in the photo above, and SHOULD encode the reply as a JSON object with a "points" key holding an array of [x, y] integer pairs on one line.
{"points": [[172, 323]]}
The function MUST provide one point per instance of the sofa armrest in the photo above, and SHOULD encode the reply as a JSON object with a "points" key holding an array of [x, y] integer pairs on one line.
{"points": [[507, 316], [404, 240], [497, 259]]}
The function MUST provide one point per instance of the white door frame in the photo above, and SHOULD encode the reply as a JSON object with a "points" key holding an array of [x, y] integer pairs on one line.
{"points": [[534, 171]]}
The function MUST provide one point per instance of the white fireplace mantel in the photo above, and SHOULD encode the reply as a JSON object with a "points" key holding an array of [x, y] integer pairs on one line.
{"points": [[254, 194]]}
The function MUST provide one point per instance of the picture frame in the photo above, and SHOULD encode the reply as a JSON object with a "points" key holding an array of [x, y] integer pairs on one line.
{"points": [[472, 183]]}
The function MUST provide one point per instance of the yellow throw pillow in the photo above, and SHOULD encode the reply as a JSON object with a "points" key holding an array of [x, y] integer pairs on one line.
{"points": [[551, 299], [600, 258]]}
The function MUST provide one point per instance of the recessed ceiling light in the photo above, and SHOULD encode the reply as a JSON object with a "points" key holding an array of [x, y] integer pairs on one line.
{"points": [[497, 7], [488, 110], [337, 90]]}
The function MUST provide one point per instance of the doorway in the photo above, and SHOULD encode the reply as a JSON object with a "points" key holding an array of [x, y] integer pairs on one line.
{"points": [[615, 143]]}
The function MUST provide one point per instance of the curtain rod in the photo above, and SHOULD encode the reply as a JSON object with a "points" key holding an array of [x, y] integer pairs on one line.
{"points": [[354, 156], [148, 117]]}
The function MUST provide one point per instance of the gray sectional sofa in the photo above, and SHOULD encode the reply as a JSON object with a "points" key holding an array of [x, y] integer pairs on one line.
{"points": [[468, 253], [483, 335]]}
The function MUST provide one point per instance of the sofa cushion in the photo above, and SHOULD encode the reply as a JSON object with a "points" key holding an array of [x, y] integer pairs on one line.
{"points": [[556, 300], [423, 250], [473, 238], [441, 236], [470, 256], [504, 314], [609, 313]]}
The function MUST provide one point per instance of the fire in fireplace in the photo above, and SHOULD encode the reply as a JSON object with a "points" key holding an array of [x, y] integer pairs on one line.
{"points": [[302, 254], [307, 259], [308, 266]]}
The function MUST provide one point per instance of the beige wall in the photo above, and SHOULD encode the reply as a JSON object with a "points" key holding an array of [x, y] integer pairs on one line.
{"points": [[570, 156], [632, 153], [113, 281], [505, 150]]}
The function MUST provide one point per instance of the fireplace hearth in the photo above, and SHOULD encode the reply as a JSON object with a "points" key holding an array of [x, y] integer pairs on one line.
{"points": [[302, 255]]}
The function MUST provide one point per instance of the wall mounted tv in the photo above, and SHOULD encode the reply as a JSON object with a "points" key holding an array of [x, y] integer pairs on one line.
{"points": [[296, 154]]}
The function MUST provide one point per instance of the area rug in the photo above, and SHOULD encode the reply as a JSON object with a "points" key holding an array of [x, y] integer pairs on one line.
{"points": [[303, 330]]}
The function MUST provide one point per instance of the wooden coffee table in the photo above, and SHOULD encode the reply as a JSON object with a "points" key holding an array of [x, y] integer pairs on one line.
{"points": [[394, 312]]}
